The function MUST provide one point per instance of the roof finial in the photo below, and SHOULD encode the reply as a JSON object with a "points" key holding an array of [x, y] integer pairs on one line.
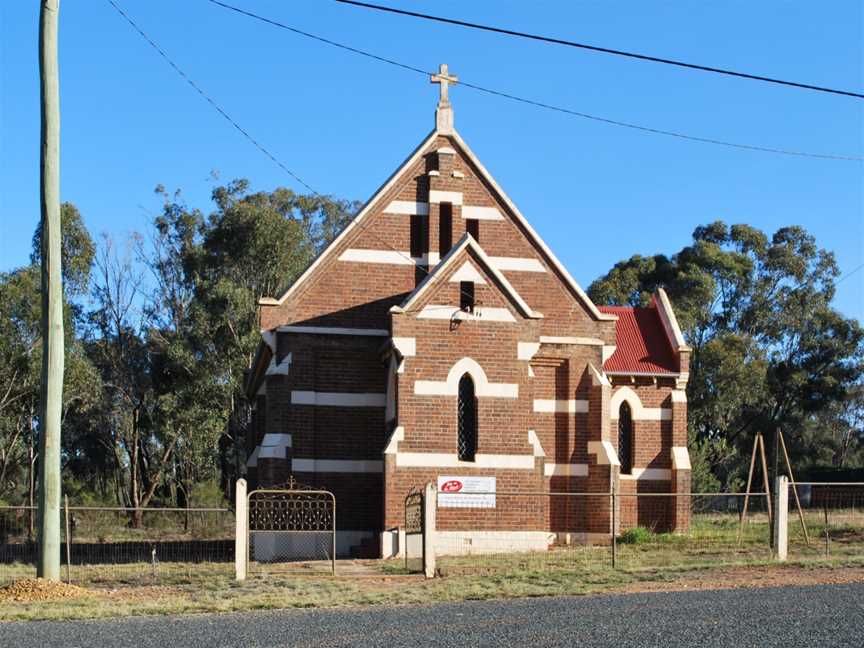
{"points": [[444, 112]]}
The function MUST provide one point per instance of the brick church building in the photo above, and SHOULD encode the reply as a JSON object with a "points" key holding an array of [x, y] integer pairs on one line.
{"points": [[439, 339]]}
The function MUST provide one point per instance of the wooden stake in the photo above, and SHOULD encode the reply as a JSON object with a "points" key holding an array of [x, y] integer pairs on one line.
{"points": [[743, 519], [765, 477], [794, 489], [68, 540]]}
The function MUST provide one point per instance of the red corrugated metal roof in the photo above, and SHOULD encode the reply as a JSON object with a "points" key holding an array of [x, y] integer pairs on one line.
{"points": [[642, 343]]}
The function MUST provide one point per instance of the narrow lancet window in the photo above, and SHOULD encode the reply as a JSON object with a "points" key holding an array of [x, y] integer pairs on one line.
{"points": [[467, 419], [625, 439]]}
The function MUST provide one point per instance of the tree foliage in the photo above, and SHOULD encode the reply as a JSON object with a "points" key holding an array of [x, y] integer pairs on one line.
{"points": [[160, 329], [768, 348]]}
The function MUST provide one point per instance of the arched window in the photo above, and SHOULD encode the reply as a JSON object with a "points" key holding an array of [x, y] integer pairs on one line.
{"points": [[467, 419], [625, 439]]}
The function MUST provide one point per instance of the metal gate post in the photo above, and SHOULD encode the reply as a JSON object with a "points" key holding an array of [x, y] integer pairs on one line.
{"points": [[430, 506], [241, 519]]}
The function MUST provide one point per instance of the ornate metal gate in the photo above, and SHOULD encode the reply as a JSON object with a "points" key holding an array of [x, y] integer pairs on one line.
{"points": [[291, 527], [414, 525]]}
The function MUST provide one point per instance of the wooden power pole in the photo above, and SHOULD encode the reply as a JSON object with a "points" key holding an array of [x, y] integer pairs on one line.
{"points": [[52, 300]]}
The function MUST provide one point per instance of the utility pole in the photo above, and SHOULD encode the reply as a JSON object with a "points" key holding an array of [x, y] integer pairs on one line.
{"points": [[52, 300]]}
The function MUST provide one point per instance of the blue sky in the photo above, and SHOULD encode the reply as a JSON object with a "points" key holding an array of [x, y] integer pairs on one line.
{"points": [[343, 123]]}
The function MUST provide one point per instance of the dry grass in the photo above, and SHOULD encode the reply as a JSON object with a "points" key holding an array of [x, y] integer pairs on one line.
{"points": [[206, 591], [709, 557]]}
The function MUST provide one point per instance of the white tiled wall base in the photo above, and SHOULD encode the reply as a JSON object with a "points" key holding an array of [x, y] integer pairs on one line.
{"points": [[460, 543]]}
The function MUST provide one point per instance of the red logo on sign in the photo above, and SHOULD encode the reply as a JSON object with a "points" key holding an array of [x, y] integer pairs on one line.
{"points": [[452, 486]]}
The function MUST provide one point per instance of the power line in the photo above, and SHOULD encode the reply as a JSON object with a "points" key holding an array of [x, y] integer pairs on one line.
{"points": [[210, 100], [604, 50], [532, 102], [848, 274], [251, 139]]}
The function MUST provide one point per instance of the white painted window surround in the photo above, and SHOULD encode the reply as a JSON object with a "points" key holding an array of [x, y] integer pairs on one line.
{"points": [[450, 386], [639, 412], [437, 196]]}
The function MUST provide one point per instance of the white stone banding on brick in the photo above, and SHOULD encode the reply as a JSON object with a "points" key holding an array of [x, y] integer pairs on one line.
{"points": [[455, 543], [421, 150], [276, 368], [649, 474], [387, 257], [637, 411], [483, 259], [482, 387], [553, 406], [480, 314], [567, 339], [535, 443], [679, 396], [434, 173], [407, 207], [598, 377], [457, 174], [481, 213], [607, 351], [526, 350], [338, 399], [396, 436], [605, 453], [446, 460], [467, 273], [337, 465], [446, 150], [271, 452], [680, 458], [565, 470], [406, 346], [269, 338], [334, 330], [437, 196], [392, 257], [517, 264], [275, 440]]}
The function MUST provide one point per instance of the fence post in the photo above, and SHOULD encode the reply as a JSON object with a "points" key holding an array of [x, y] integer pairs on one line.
{"points": [[781, 518], [240, 531], [68, 540], [430, 506], [615, 504]]}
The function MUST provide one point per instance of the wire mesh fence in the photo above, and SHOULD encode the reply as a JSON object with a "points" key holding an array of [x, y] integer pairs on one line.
{"points": [[831, 523], [566, 532], [120, 545]]}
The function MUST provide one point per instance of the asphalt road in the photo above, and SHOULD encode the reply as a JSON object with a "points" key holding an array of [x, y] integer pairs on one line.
{"points": [[823, 616]]}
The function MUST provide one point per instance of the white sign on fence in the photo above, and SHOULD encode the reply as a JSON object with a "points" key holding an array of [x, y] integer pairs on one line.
{"points": [[466, 492]]}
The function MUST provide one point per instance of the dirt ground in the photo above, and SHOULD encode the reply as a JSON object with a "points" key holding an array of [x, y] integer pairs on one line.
{"points": [[750, 577]]}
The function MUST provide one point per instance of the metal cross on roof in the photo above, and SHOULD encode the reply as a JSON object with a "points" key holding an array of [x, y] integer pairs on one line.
{"points": [[445, 79]]}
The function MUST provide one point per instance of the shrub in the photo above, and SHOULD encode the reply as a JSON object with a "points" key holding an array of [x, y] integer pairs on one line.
{"points": [[636, 535]]}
